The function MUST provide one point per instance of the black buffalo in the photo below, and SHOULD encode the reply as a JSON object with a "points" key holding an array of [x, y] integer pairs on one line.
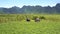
{"points": [[28, 19]]}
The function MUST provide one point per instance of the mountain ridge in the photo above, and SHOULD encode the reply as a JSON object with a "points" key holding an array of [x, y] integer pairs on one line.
{"points": [[31, 9]]}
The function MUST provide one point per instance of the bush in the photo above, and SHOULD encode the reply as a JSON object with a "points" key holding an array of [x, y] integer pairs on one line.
{"points": [[42, 17]]}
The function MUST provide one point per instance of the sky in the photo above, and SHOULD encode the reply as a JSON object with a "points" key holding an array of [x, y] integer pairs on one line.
{"points": [[21, 3]]}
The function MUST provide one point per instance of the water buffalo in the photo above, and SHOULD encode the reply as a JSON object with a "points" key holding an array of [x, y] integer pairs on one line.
{"points": [[28, 19], [37, 19]]}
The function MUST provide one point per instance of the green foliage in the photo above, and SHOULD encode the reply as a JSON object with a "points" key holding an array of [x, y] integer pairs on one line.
{"points": [[17, 24], [23, 27], [42, 17], [21, 17]]}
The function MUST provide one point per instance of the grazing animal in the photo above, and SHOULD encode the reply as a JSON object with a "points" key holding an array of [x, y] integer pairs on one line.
{"points": [[28, 19], [37, 19]]}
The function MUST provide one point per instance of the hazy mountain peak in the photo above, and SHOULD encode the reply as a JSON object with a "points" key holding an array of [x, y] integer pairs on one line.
{"points": [[31, 9]]}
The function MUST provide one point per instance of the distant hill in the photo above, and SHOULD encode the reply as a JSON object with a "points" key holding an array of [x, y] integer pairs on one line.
{"points": [[31, 9]]}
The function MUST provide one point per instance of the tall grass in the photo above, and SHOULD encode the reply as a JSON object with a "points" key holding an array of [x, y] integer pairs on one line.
{"points": [[21, 17], [16, 24]]}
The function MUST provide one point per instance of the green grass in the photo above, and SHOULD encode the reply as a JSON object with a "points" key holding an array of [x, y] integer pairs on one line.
{"points": [[16, 24], [23, 27]]}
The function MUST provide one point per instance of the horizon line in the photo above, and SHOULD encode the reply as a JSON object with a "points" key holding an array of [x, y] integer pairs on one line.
{"points": [[26, 5]]}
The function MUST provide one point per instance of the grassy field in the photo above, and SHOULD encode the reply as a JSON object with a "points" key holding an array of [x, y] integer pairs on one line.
{"points": [[16, 24]]}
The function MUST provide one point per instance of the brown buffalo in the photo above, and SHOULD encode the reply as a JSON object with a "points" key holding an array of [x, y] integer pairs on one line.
{"points": [[37, 19]]}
